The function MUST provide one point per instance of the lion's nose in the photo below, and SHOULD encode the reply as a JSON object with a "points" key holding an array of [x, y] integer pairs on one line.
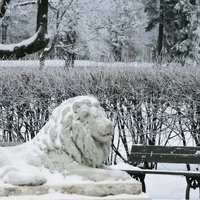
{"points": [[109, 129]]}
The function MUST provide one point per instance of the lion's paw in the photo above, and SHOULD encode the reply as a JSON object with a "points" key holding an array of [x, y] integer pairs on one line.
{"points": [[21, 178], [111, 175], [96, 174]]}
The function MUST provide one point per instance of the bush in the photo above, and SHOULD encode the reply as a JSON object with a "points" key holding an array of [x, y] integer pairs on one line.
{"points": [[148, 105]]}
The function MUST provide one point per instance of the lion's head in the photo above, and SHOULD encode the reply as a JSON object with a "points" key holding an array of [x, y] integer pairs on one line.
{"points": [[80, 129]]}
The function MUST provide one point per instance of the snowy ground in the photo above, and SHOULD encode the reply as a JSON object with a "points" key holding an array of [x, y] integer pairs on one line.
{"points": [[159, 187], [166, 187], [59, 196], [61, 63]]}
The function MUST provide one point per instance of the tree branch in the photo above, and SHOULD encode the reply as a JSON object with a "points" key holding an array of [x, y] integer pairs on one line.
{"points": [[35, 43]]}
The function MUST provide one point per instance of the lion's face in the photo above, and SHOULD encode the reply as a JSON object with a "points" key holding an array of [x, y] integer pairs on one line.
{"points": [[91, 131], [94, 119]]}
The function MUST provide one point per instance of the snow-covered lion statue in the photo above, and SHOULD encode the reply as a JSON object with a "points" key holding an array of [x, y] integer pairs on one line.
{"points": [[75, 140]]}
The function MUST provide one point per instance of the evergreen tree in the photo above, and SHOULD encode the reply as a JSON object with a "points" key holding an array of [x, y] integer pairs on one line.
{"points": [[178, 22], [189, 44]]}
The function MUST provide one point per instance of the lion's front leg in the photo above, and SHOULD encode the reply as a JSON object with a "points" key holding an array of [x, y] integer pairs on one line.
{"points": [[19, 177]]}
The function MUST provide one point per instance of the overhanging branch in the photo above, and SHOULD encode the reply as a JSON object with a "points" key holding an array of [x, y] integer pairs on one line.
{"points": [[32, 45]]}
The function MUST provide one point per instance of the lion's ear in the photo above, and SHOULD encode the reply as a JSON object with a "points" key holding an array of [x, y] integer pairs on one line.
{"points": [[76, 106], [87, 102]]}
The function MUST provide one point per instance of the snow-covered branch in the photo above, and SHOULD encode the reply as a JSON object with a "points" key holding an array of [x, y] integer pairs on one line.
{"points": [[35, 43]]}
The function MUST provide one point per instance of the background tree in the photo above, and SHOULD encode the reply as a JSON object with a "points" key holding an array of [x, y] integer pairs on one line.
{"points": [[124, 19], [64, 19], [101, 29], [3, 7], [189, 43], [178, 27]]}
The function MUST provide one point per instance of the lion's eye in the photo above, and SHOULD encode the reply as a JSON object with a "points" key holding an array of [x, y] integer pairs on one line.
{"points": [[98, 114], [85, 114]]}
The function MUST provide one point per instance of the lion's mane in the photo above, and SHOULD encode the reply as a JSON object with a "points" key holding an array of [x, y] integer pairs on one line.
{"points": [[77, 130]]}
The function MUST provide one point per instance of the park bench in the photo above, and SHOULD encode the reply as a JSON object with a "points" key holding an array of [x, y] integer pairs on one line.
{"points": [[149, 155]]}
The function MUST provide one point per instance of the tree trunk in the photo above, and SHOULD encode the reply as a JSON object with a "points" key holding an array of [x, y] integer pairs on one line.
{"points": [[160, 39], [3, 6], [42, 10], [160, 32]]}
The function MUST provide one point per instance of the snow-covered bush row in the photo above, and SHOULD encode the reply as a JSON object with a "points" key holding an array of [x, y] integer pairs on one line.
{"points": [[151, 105]]}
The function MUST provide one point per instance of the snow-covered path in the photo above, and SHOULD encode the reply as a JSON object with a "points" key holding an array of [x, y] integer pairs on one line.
{"points": [[166, 187]]}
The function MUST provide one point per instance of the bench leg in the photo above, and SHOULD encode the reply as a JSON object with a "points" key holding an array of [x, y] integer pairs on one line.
{"points": [[187, 193], [143, 184], [192, 182], [140, 177]]}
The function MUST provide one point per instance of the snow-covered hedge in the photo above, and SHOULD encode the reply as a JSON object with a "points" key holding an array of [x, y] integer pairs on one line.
{"points": [[151, 105]]}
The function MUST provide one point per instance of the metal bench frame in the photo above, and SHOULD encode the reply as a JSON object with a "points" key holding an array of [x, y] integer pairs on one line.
{"points": [[165, 154]]}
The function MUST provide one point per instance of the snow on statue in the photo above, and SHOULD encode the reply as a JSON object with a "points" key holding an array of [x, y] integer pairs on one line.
{"points": [[75, 140]]}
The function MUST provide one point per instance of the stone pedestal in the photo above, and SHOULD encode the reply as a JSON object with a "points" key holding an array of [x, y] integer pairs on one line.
{"points": [[83, 191]]}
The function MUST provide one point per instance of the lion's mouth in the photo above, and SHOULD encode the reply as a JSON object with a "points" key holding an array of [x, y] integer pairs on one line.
{"points": [[107, 134], [103, 138]]}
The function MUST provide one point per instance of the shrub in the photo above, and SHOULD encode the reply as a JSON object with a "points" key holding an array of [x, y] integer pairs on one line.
{"points": [[148, 105]]}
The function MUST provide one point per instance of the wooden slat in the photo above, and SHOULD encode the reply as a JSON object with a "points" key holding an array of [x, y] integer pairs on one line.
{"points": [[165, 154], [165, 149], [165, 158]]}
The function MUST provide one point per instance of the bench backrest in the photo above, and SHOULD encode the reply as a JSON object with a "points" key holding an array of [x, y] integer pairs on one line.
{"points": [[165, 154]]}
